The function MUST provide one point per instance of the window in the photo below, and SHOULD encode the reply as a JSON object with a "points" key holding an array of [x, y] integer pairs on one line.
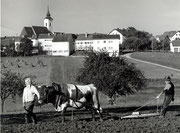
{"points": [[104, 41]]}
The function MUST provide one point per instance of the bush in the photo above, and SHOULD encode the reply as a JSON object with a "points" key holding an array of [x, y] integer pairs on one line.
{"points": [[111, 75]]}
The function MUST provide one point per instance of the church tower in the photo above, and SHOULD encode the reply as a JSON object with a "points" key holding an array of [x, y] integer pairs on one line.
{"points": [[48, 21]]}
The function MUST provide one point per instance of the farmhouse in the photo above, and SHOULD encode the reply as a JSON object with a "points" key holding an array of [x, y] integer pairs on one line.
{"points": [[98, 42], [62, 45], [175, 46], [176, 36], [118, 32]]}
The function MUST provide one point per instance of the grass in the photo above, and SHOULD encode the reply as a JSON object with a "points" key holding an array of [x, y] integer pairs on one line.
{"points": [[65, 69], [154, 72], [167, 59]]}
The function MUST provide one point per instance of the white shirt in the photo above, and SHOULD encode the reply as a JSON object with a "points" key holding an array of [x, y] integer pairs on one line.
{"points": [[29, 93]]}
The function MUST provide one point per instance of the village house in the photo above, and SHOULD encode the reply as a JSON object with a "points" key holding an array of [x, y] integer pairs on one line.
{"points": [[175, 46], [118, 32], [62, 45], [98, 42], [174, 37]]}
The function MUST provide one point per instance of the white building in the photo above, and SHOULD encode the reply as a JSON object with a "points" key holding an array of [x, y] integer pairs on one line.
{"points": [[62, 45], [118, 32], [98, 42], [175, 46], [175, 36], [45, 41]]}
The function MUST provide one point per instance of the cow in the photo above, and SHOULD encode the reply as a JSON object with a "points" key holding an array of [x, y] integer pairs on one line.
{"points": [[63, 96]]}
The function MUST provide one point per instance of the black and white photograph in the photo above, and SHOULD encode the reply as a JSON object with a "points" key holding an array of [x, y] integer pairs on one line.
{"points": [[90, 66]]}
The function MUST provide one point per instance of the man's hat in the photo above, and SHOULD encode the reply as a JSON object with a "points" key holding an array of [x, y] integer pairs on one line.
{"points": [[167, 78]]}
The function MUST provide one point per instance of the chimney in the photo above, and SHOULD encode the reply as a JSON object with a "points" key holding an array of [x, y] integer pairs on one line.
{"points": [[86, 34]]}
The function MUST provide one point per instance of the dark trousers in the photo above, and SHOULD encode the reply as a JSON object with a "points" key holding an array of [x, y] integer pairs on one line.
{"points": [[167, 101], [29, 115]]}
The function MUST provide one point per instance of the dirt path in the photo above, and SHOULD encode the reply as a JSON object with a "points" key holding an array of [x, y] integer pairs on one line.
{"points": [[153, 70]]}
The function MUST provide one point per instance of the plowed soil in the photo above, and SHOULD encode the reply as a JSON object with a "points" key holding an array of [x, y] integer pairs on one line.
{"points": [[82, 123]]}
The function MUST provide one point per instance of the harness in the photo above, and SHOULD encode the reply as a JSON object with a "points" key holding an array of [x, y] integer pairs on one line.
{"points": [[74, 101]]}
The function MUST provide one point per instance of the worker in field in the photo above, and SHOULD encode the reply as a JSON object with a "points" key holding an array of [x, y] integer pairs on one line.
{"points": [[29, 100], [169, 95]]}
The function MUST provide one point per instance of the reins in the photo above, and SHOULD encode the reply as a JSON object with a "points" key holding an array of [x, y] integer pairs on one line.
{"points": [[147, 104]]}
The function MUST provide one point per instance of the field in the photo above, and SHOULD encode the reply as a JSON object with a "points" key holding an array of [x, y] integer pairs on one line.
{"points": [[167, 59], [64, 70]]}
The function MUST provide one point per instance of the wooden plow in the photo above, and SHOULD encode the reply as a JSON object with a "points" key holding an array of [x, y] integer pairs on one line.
{"points": [[137, 114]]}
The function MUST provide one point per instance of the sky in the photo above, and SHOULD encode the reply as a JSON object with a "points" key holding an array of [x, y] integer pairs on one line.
{"points": [[90, 16]]}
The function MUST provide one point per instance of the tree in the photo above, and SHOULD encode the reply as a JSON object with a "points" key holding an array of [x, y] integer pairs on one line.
{"points": [[11, 85], [111, 75], [129, 43], [166, 44], [26, 46], [135, 39], [40, 49], [10, 49]]}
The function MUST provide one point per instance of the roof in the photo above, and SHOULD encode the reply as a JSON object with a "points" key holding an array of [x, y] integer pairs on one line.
{"points": [[34, 31], [27, 31], [40, 30], [63, 38], [96, 37], [176, 43], [119, 30], [169, 33]]}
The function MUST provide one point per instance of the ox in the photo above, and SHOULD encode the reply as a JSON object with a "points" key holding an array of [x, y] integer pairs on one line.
{"points": [[63, 96]]}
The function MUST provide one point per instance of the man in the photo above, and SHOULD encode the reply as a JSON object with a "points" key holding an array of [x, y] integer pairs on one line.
{"points": [[29, 99], [168, 97]]}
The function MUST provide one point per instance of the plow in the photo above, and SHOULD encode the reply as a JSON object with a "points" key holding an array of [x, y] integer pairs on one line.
{"points": [[137, 114]]}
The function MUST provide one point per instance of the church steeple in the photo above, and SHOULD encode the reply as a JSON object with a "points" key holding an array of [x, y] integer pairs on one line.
{"points": [[48, 20], [48, 15]]}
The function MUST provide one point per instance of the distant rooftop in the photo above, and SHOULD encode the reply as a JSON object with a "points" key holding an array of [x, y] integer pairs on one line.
{"points": [[96, 36]]}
